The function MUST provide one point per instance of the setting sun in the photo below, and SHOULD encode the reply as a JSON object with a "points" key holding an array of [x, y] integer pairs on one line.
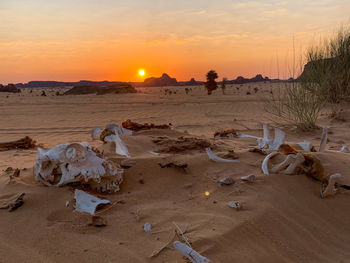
{"points": [[141, 72]]}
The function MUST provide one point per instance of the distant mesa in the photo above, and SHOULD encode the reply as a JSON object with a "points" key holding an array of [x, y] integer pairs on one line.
{"points": [[242, 80], [101, 90], [314, 66], [62, 84], [192, 82], [9, 88], [164, 80]]}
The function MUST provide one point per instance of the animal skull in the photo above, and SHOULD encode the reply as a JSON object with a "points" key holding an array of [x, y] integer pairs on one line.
{"points": [[76, 162]]}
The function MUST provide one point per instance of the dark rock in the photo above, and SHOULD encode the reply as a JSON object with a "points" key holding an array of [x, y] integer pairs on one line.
{"points": [[9, 88], [115, 89], [164, 80], [227, 181]]}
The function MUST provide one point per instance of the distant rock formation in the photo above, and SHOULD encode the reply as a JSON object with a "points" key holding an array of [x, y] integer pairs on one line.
{"points": [[164, 80], [192, 82], [60, 84], [9, 88], [115, 89], [310, 67], [242, 80]]}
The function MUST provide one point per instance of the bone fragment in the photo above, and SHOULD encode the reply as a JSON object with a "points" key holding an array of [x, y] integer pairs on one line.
{"points": [[216, 158], [191, 254]]}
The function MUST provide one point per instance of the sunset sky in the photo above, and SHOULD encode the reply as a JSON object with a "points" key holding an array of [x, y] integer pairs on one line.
{"points": [[70, 40]]}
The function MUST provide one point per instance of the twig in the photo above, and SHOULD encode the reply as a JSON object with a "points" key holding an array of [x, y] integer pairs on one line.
{"points": [[184, 238], [156, 252], [109, 207]]}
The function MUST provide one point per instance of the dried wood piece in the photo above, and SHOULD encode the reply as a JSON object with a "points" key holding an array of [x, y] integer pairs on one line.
{"points": [[134, 126], [24, 143], [181, 166], [12, 201], [230, 133], [156, 252], [182, 234]]}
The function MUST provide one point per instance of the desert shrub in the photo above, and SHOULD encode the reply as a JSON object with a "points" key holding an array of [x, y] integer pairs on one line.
{"points": [[329, 66], [298, 103], [325, 79]]}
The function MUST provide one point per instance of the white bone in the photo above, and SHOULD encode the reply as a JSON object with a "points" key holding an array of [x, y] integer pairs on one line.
{"points": [[344, 149], [330, 189], [265, 163], [191, 254], [120, 147], [147, 227], [117, 129], [283, 165], [278, 140], [235, 204], [242, 135], [248, 178], [96, 132], [266, 132], [265, 141], [86, 203], [76, 162], [298, 161], [323, 143], [305, 145], [216, 158]]}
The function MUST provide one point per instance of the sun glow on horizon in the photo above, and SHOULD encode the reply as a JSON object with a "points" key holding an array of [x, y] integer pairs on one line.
{"points": [[142, 72]]}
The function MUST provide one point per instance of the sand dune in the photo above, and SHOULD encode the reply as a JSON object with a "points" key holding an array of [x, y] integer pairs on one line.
{"points": [[283, 218]]}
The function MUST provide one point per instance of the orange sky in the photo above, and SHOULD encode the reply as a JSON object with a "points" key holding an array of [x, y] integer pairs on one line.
{"points": [[111, 39]]}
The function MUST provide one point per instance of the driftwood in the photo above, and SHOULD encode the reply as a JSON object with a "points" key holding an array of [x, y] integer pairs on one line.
{"points": [[11, 202], [134, 126], [180, 166], [24, 143], [226, 133]]}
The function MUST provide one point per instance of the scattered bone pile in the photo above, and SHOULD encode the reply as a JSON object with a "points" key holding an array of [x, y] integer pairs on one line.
{"points": [[79, 164]]}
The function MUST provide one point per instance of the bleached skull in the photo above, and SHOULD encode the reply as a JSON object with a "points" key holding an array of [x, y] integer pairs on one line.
{"points": [[76, 162]]}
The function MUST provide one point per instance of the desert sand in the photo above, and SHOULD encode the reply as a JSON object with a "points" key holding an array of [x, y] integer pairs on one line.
{"points": [[283, 218]]}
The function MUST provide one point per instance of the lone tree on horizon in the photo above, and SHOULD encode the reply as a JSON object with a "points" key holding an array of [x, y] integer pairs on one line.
{"points": [[211, 83]]}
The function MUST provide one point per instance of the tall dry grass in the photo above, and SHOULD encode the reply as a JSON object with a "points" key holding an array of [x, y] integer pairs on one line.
{"points": [[325, 79]]}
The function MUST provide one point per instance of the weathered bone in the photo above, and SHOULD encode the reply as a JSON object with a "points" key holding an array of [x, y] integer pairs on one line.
{"points": [[283, 165], [120, 147], [76, 162], [324, 138], [305, 145], [344, 149], [216, 158], [278, 140], [87, 203], [298, 161], [265, 163], [330, 189], [191, 254], [96, 133], [117, 129]]}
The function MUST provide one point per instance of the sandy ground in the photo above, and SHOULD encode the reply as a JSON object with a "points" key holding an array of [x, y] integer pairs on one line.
{"points": [[283, 217]]}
